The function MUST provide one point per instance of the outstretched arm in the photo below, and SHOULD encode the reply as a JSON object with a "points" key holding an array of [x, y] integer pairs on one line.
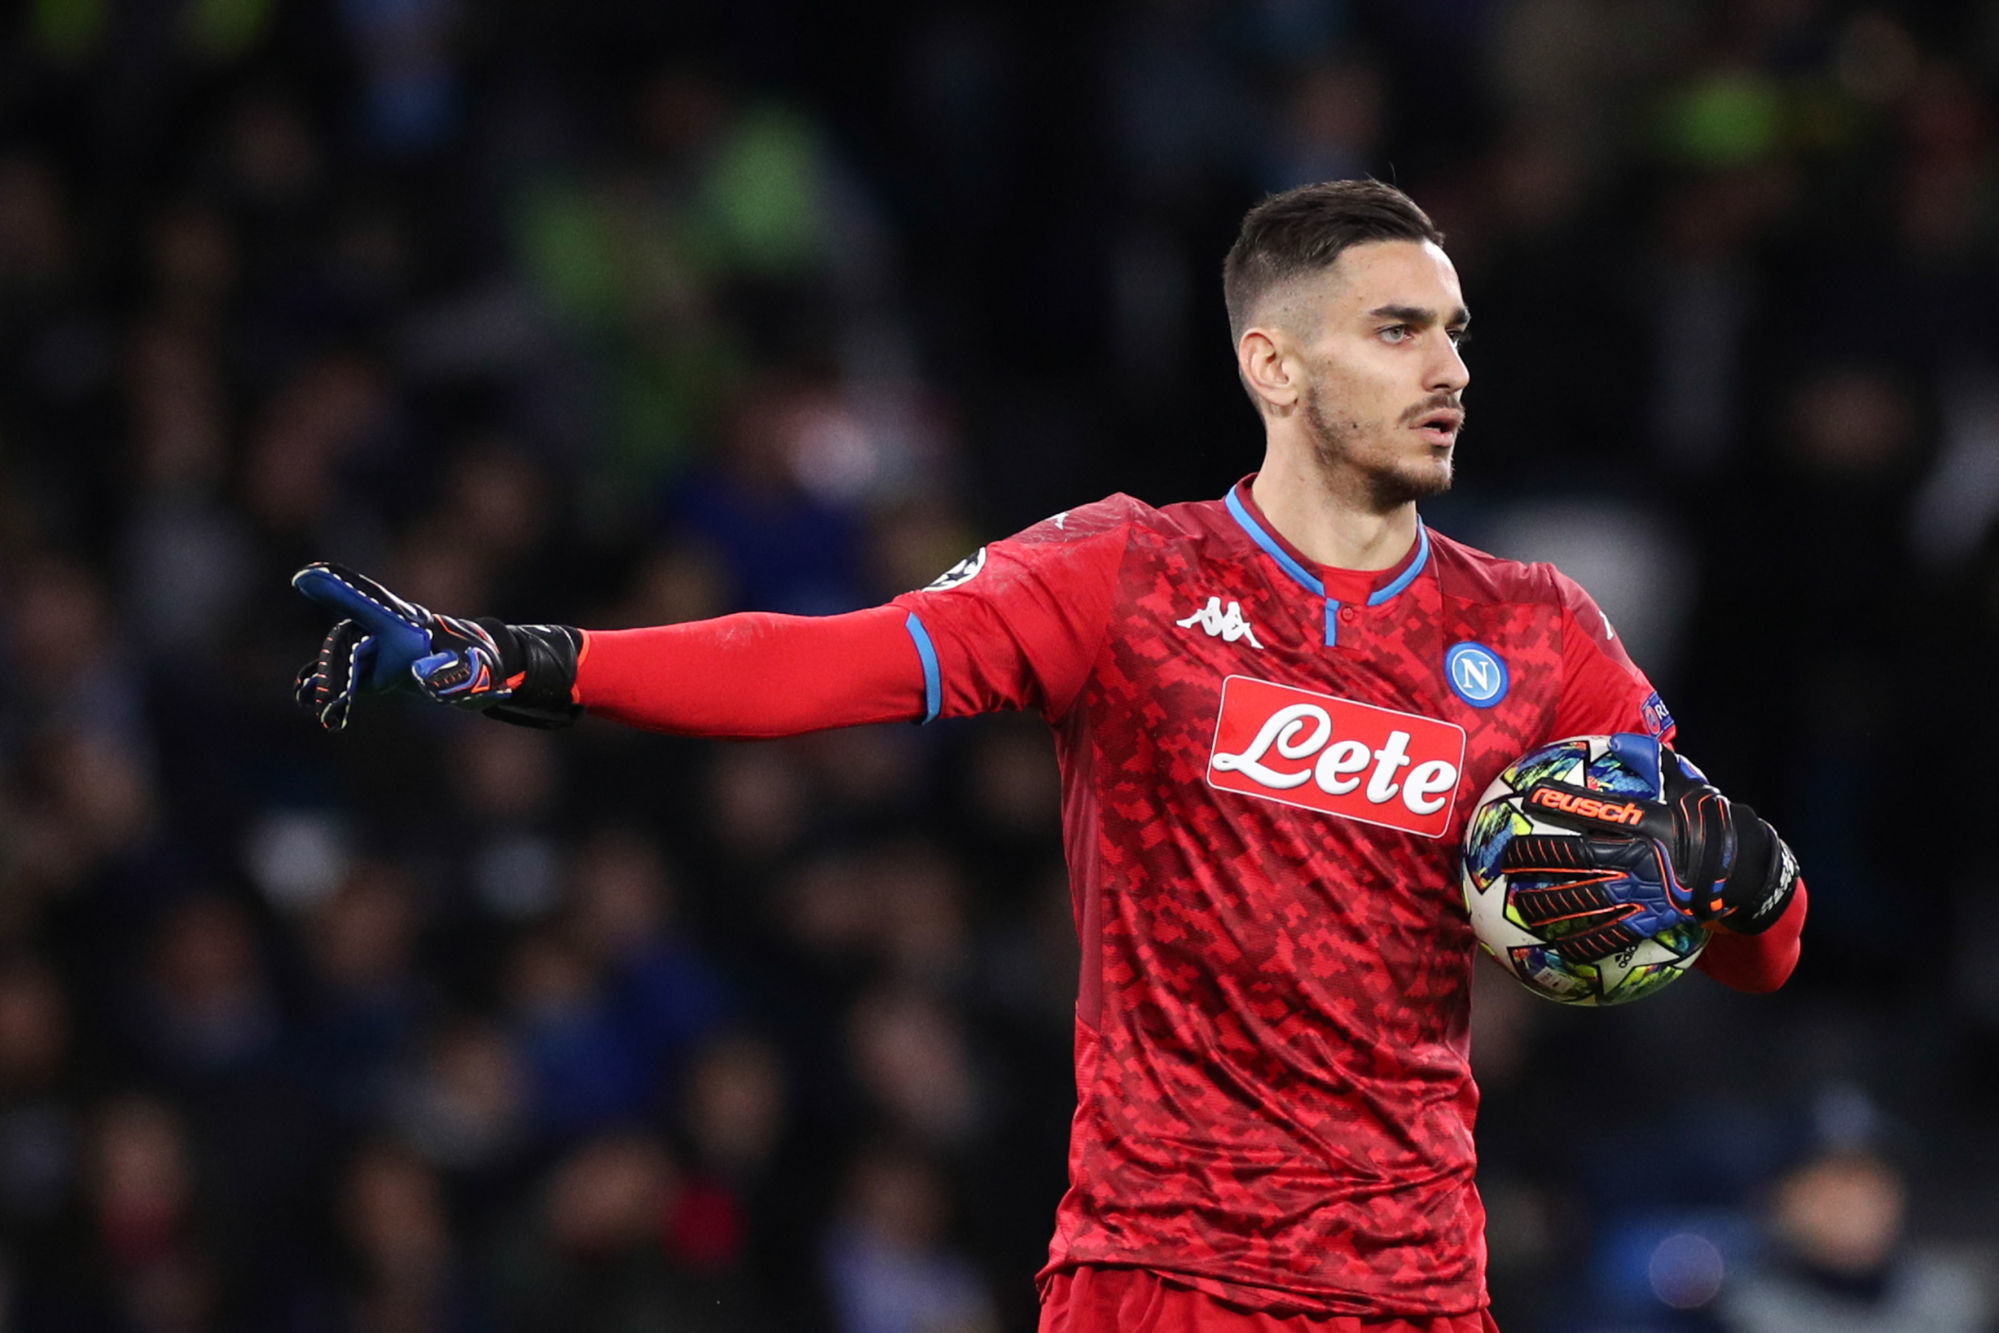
{"points": [[1018, 625], [742, 675], [757, 674]]}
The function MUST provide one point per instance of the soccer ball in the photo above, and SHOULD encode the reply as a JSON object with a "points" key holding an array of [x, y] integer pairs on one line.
{"points": [[1623, 765]]}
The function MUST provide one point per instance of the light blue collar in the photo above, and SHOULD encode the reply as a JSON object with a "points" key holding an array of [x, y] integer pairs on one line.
{"points": [[1306, 577]]}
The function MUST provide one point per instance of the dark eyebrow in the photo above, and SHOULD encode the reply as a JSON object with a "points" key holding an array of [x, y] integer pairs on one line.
{"points": [[1420, 316]]}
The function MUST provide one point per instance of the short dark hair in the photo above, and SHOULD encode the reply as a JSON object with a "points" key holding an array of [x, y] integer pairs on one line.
{"points": [[1305, 230]]}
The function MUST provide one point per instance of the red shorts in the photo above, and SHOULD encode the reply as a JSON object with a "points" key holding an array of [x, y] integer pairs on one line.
{"points": [[1136, 1300]]}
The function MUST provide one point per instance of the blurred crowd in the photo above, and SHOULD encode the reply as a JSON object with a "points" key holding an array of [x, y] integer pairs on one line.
{"points": [[620, 314]]}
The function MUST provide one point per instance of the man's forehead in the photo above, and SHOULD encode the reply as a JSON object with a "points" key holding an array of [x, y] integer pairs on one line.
{"points": [[1370, 276], [1391, 273]]}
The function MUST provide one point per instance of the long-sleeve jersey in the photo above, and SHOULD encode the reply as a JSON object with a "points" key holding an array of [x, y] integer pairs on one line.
{"points": [[1267, 765]]}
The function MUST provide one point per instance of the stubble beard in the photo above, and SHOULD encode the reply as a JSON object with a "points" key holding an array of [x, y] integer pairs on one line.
{"points": [[1374, 477]]}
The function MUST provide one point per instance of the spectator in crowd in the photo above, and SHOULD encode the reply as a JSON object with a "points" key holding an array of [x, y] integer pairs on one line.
{"points": [[1841, 1260]]}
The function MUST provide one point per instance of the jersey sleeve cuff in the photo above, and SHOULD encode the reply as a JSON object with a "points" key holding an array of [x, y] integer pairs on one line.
{"points": [[933, 679]]}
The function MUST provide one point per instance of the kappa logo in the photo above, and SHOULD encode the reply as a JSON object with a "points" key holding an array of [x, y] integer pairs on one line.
{"points": [[1337, 756], [1229, 626]]}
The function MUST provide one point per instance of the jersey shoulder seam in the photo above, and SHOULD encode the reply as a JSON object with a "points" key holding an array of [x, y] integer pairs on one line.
{"points": [[1518, 582], [1110, 610]]}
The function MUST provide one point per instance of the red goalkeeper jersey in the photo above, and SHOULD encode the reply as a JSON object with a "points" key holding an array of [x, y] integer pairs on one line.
{"points": [[1266, 767]]}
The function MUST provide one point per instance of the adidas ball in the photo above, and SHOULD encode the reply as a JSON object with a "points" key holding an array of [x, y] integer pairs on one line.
{"points": [[1622, 766]]}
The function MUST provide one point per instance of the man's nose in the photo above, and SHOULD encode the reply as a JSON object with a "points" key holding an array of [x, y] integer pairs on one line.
{"points": [[1448, 372]]}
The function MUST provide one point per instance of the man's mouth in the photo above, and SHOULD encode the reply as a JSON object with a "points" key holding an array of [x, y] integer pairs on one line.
{"points": [[1440, 426]]}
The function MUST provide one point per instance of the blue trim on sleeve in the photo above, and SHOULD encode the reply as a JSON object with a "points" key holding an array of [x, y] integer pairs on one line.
{"points": [[933, 677], [1407, 576], [1272, 549]]}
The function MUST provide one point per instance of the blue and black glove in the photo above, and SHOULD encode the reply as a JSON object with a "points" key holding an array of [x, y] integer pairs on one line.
{"points": [[524, 674], [1633, 867]]}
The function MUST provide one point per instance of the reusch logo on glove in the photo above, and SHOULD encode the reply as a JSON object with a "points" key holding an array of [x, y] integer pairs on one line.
{"points": [[1588, 807], [1337, 756]]}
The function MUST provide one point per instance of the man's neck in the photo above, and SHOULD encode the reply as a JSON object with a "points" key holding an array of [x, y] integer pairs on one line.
{"points": [[1329, 526]]}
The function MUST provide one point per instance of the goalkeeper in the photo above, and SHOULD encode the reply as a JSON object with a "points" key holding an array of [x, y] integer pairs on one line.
{"points": [[1273, 712]]}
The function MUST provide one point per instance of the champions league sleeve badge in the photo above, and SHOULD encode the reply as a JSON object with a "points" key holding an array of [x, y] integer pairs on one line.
{"points": [[962, 572], [1657, 720]]}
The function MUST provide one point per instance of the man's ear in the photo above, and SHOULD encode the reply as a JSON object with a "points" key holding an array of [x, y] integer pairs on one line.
{"points": [[1268, 370]]}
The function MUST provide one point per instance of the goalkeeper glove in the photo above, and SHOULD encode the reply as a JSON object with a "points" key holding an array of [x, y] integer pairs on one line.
{"points": [[524, 674], [1637, 867]]}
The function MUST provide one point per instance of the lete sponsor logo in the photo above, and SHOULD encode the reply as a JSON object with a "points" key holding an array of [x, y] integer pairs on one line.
{"points": [[1337, 756]]}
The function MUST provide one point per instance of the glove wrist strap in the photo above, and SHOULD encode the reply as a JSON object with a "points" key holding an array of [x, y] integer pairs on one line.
{"points": [[1763, 878], [538, 664]]}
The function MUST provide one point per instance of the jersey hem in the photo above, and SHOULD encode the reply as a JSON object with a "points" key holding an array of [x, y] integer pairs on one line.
{"points": [[1267, 1299]]}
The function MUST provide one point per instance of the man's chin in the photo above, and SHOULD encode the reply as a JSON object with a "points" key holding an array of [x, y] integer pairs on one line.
{"points": [[1393, 487], [1383, 476]]}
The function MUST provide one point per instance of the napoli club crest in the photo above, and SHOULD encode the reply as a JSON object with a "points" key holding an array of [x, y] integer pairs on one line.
{"points": [[1476, 674]]}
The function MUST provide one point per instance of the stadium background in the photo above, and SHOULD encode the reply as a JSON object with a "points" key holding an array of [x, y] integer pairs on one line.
{"points": [[622, 314]]}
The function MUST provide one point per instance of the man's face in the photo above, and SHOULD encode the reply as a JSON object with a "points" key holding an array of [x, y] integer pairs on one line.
{"points": [[1376, 338]]}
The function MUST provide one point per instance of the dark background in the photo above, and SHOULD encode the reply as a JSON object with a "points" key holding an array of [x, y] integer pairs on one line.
{"points": [[620, 314]]}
